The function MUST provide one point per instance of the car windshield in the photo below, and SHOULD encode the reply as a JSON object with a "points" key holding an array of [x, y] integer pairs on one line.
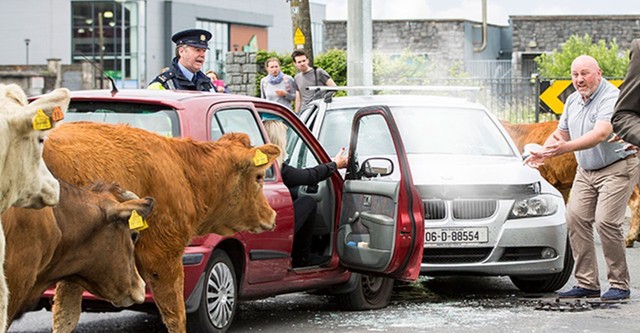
{"points": [[154, 118], [426, 130]]}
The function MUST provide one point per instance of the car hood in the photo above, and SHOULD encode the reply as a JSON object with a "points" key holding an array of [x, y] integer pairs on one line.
{"points": [[471, 170]]}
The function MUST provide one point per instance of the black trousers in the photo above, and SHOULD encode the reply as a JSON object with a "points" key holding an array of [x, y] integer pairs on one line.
{"points": [[304, 209]]}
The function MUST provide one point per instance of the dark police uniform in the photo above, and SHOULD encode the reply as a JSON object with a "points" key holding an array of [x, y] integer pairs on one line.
{"points": [[173, 78]]}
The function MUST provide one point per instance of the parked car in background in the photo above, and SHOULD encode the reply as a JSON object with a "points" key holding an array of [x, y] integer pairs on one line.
{"points": [[382, 218], [485, 212]]}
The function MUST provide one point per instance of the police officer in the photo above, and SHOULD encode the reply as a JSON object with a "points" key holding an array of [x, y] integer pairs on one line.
{"points": [[185, 72]]}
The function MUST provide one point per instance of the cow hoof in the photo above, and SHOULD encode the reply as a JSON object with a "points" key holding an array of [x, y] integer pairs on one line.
{"points": [[629, 242]]}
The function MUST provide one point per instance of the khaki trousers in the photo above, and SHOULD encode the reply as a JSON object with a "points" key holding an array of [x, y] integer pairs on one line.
{"points": [[600, 197]]}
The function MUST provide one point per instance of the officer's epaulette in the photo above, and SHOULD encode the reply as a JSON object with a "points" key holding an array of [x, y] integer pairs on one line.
{"points": [[165, 76]]}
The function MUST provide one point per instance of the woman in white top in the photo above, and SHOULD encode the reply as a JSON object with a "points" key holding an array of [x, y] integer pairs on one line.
{"points": [[277, 86]]}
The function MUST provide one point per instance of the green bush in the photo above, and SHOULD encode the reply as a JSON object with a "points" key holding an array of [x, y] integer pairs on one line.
{"points": [[558, 64]]}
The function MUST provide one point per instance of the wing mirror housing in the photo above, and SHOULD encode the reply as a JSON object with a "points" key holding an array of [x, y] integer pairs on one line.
{"points": [[376, 167]]}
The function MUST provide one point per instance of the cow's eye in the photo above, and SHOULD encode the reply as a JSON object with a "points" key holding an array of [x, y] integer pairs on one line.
{"points": [[260, 178], [134, 236]]}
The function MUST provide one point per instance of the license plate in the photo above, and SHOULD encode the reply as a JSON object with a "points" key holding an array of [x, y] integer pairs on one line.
{"points": [[456, 235]]}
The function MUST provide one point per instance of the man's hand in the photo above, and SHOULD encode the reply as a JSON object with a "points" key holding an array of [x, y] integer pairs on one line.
{"points": [[535, 160], [625, 145]]}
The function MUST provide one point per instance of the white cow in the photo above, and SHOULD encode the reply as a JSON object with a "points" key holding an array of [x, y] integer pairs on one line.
{"points": [[25, 181]]}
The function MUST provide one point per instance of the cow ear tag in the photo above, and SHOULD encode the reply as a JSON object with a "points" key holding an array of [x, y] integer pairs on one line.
{"points": [[136, 222], [41, 121], [260, 158], [57, 114]]}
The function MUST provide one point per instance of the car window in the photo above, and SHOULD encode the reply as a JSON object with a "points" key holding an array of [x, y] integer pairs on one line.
{"points": [[374, 140], [336, 129], [236, 120], [154, 118], [424, 130], [299, 154], [454, 131]]}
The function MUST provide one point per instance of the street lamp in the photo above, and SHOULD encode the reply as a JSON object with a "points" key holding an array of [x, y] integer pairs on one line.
{"points": [[26, 42]]}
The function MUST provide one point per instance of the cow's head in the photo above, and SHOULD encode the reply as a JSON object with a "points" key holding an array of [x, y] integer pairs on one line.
{"points": [[112, 274], [244, 206], [25, 180]]}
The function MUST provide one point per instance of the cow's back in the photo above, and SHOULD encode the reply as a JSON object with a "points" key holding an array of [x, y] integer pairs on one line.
{"points": [[142, 162]]}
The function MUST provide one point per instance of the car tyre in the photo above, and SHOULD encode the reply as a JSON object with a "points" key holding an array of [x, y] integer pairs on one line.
{"points": [[372, 292], [547, 283], [218, 302]]}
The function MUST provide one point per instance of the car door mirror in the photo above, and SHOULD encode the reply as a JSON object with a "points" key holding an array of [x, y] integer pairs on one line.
{"points": [[376, 167], [528, 148]]}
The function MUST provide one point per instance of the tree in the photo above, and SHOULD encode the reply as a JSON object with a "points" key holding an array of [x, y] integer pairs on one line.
{"points": [[301, 20], [612, 61]]}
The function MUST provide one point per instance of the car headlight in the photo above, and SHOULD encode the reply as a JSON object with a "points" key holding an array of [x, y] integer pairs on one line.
{"points": [[539, 205]]}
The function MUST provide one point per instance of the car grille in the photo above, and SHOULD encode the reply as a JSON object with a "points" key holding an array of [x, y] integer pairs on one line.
{"points": [[461, 209], [455, 255]]}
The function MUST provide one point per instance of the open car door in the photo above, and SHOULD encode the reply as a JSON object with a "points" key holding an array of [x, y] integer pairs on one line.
{"points": [[381, 228]]}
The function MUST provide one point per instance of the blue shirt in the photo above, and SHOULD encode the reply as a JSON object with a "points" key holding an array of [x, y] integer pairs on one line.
{"points": [[187, 73], [580, 117]]}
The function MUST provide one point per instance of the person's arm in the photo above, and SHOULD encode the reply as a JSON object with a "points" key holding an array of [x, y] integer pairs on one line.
{"points": [[298, 101], [309, 176], [330, 83], [600, 132], [293, 88]]}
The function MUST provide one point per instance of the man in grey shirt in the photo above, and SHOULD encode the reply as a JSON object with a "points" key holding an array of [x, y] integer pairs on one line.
{"points": [[604, 180], [308, 76]]}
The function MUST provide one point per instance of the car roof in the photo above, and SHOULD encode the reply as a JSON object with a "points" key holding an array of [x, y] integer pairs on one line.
{"points": [[401, 100], [173, 98]]}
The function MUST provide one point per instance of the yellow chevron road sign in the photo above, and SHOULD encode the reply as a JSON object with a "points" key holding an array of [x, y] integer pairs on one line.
{"points": [[553, 94]]}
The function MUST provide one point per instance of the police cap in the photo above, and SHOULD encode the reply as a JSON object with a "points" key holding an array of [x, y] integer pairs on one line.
{"points": [[193, 37]]}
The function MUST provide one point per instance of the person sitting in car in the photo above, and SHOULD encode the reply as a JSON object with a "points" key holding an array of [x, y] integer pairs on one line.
{"points": [[304, 207]]}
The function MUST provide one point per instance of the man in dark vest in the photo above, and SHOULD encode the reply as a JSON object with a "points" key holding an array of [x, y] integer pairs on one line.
{"points": [[626, 119], [185, 72]]}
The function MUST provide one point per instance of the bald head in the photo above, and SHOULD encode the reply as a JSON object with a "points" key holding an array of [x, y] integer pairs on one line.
{"points": [[585, 75], [585, 61]]}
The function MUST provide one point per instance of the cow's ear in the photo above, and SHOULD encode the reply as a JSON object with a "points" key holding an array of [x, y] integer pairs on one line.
{"points": [[52, 106], [265, 155], [122, 211], [14, 93]]}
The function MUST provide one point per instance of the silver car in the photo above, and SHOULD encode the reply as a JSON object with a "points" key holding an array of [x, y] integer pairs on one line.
{"points": [[485, 212]]}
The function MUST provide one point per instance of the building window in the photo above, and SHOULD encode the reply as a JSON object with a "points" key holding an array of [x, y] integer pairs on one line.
{"points": [[218, 46], [102, 31], [317, 33]]}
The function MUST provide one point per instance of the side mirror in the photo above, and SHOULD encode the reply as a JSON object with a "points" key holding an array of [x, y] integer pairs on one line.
{"points": [[376, 166], [528, 148]]}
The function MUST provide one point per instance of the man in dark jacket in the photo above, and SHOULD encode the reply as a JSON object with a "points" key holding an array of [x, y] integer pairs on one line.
{"points": [[626, 119], [185, 72]]}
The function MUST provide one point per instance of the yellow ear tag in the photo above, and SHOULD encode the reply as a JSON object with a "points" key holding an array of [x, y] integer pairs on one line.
{"points": [[136, 222], [260, 158], [41, 121]]}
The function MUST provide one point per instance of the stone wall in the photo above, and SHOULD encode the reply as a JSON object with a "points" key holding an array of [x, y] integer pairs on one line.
{"points": [[546, 33], [534, 35], [443, 41], [241, 69], [41, 79]]}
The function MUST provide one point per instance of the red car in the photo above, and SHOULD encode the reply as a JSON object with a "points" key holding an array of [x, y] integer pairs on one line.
{"points": [[370, 225]]}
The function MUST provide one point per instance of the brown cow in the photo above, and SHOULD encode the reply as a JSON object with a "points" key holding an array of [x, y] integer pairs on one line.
{"points": [[69, 241], [561, 170], [199, 188]]}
